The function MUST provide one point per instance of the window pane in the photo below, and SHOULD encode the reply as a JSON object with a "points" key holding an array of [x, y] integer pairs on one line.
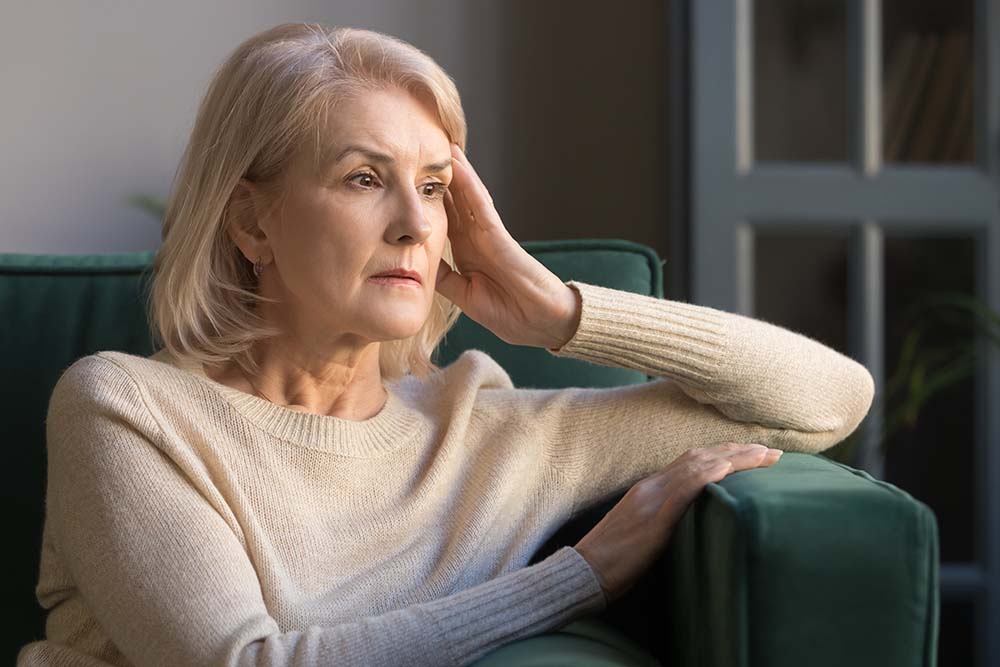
{"points": [[800, 80], [800, 283], [927, 74], [929, 450]]}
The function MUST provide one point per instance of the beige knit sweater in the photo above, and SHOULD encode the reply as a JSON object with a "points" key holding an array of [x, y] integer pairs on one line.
{"points": [[190, 523]]}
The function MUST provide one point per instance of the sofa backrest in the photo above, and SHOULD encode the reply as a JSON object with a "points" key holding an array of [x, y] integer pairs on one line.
{"points": [[58, 308]]}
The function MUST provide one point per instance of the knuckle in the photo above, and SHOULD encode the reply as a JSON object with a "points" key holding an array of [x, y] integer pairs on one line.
{"points": [[710, 470], [744, 446], [693, 467], [702, 464]]}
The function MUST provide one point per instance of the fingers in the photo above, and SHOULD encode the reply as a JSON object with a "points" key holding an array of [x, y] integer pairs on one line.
{"points": [[677, 486], [454, 215], [459, 200], [676, 494], [746, 456], [472, 193], [755, 459], [741, 455], [451, 284]]}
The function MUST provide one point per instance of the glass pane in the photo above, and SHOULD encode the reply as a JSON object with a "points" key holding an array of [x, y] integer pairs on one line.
{"points": [[957, 638], [930, 398], [927, 73], [800, 283], [800, 80]]}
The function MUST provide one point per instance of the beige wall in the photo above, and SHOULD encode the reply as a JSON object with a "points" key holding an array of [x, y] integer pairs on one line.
{"points": [[564, 103]]}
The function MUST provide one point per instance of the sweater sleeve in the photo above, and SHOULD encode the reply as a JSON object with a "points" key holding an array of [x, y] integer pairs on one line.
{"points": [[166, 574], [719, 377]]}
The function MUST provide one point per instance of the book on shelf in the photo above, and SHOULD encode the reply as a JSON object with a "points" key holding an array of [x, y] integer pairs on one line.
{"points": [[928, 102], [936, 109], [913, 70], [957, 146]]}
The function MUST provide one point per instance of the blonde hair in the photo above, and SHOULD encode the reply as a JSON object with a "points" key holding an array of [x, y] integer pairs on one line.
{"points": [[263, 104]]}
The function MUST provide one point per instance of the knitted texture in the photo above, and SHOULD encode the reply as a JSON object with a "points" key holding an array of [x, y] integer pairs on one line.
{"points": [[190, 523]]}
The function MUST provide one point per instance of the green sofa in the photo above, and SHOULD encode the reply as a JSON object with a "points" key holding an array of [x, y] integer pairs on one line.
{"points": [[808, 562]]}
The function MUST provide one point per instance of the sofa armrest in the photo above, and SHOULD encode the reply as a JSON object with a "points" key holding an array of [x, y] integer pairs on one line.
{"points": [[806, 562]]}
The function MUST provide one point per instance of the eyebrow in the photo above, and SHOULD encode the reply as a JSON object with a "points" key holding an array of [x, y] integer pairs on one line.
{"points": [[376, 156]]}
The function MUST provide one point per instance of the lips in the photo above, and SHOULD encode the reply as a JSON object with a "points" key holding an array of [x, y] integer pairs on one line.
{"points": [[400, 273]]}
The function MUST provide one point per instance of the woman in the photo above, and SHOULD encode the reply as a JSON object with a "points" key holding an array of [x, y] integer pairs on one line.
{"points": [[291, 480]]}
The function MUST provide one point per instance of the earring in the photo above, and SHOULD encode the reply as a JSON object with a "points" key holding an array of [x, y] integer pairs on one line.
{"points": [[258, 268]]}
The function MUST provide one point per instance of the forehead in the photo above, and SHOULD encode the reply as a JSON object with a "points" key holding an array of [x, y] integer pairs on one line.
{"points": [[393, 122]]}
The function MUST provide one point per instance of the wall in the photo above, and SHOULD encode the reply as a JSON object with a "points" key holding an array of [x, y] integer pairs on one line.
{"points": [[564, 104]]}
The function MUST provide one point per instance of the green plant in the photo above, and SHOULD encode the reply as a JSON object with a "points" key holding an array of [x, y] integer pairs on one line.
{"points": [[923, 369], [152, 205]]}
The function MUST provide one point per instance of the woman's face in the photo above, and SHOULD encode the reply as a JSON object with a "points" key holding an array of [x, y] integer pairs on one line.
{"points": [[359, 216]]}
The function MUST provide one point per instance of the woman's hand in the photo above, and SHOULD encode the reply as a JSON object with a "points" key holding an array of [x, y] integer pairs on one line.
{"points": [[498, 283], [629, 538]]}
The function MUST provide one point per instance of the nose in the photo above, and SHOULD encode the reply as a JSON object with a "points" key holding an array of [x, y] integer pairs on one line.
{"points": [[411, 222]]}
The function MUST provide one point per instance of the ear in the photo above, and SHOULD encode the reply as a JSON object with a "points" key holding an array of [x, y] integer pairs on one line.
{"points": [[243, 221]]}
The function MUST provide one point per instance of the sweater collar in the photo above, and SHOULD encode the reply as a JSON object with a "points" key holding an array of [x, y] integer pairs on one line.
{"points": [[398, 423]]}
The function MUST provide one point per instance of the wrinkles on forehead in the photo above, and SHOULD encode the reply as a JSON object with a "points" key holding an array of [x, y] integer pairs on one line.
{"points": [[322, 151], [328, 144]]}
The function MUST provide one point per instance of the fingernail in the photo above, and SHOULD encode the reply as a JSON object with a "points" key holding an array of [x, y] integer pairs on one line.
{"points": [[772, 449]]}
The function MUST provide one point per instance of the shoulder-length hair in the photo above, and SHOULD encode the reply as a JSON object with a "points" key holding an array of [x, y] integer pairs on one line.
{"points": [[270, 97]]}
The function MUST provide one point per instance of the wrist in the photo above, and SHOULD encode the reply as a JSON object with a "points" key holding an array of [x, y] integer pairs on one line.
{"points": [[571, 322]]}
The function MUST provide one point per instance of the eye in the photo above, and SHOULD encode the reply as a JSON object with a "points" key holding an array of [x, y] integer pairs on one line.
{"points": [[362, 174], [439, 189]]}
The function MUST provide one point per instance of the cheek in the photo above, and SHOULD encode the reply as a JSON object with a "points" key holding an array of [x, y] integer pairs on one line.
{"points": [[326, 259], [440, 221]]}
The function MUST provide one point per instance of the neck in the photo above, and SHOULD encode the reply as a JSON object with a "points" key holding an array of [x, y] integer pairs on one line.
{"points": [[354, 393]]}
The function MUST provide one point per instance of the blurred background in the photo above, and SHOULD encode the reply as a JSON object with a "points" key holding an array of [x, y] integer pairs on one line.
{"points": [[827, 165]]}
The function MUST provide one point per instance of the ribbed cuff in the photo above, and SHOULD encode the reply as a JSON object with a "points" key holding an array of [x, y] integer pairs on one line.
{"points": [[535, 599], [656, 336]]}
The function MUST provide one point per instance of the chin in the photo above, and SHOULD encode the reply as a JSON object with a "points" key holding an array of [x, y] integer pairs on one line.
{"points": [[390, 337], [400, 329], [397, 317]]}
